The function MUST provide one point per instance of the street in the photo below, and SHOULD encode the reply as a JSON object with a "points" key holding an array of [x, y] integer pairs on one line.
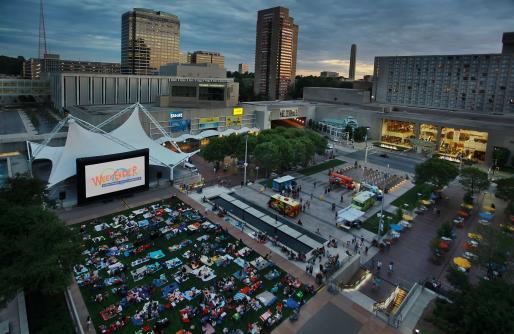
{"points": [[406, 163]]}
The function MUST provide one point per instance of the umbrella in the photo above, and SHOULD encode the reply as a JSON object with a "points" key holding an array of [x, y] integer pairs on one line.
{"points": [[463, 214], [462, 262], [425, 202], [485, 215], [475, 236], [466, 206], [396, 227], [291, 303], [443, 245], [489, 208], [407, 217]]}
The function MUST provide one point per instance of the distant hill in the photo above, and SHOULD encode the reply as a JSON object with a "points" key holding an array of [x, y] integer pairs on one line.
{"points": [[11, 65]]}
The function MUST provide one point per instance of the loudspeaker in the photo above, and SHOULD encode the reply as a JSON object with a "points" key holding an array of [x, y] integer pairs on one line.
{"points": [[62, 195], [159, 175]]}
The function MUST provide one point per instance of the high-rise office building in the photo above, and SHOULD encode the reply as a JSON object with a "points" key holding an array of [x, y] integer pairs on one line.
{"points": [[329, 74], [480, 83], [33, 68], [353, 59], [275, 52], [242, 68], [203, 57], [508, 43], [149, 39]]}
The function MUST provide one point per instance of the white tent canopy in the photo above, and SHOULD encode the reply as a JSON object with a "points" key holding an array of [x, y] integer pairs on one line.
{"points": [[81, 143], [206, 134]]}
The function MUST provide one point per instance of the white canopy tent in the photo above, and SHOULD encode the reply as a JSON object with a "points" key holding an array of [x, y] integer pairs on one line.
{"points": [[86, 140]]}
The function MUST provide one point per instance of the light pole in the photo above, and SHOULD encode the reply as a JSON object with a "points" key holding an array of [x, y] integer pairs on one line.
{"points": [[366, 152], [246, 157], [381, 221], [257, 172]]}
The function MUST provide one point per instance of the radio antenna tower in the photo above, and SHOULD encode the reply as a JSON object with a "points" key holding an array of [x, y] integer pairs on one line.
{"points": [[42, 33]]}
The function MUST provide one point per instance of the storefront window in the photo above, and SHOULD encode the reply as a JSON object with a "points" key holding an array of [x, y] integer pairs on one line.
{"points": [[428, 132], [462, 143], [398, 133]]}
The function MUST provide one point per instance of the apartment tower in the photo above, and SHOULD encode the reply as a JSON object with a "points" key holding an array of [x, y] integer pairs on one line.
{"points": [[353, 58], [149, 39], [275, 53]]}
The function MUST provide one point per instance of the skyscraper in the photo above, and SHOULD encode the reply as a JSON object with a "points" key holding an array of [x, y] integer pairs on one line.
{"points": [[203, 57], [149, 39], [508, 43], [242, 68], [353, 58], [275, 52]]}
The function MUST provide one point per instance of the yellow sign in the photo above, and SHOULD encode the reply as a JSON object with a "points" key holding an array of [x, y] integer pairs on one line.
{"points": [[234, 120], [238, 111], [209, 120]]}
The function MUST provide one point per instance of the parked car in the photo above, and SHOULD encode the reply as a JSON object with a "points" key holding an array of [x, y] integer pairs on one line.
{"points": [[384, 155]]}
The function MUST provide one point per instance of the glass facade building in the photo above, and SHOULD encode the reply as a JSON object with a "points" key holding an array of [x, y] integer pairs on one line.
{"points": [[275, 53], [149, 39]]}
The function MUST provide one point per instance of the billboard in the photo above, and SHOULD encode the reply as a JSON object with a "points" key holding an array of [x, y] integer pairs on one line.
{"points": [[238, 111], [234, 121], [108, 175], [179, 125], [208, 123]]}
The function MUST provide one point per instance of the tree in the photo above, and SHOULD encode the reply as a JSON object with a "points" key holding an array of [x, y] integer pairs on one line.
{"points": [[496, 247], [485, 308], [436, 171], [216, 150], [268, 155], [37, 251], [359, 134], [500, 156], [505, 188], [473, 179]]}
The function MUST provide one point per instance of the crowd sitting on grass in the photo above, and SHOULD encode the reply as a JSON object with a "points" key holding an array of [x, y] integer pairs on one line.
{"points": [[166, 266]]}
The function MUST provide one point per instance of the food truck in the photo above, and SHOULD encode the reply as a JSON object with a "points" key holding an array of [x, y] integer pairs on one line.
{"points": [[363, 200], [283, 182], [345, 181], [284, 205]]}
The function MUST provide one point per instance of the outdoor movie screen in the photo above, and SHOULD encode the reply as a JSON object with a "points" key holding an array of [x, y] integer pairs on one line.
{"points": [[102, 176]]}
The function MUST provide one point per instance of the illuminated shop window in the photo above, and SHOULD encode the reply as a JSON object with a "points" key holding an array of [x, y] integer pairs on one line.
{"points": [[463, 143], [398, 133]]}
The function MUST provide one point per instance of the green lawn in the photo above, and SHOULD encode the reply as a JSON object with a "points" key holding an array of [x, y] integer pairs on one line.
{"points": [[371, 224], [321, 167], [218, 239], [411, 197]]}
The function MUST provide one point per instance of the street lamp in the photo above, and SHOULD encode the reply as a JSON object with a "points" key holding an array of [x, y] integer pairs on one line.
{"points": [[366, 152], [257, 172], [246, 158]]}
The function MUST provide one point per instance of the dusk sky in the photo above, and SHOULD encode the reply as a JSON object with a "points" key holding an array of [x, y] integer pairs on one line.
{"points": [[90, 29]]}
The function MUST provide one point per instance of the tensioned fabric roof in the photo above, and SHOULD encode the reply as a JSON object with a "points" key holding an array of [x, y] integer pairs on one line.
{"points": [[81, 143], [206, 134]]}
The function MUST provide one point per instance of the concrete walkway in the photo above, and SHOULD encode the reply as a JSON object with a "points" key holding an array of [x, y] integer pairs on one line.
{"points": [[360, 320]]}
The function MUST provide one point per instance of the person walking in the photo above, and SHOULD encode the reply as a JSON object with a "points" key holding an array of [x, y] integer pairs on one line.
{"points": [[379, 265], [88, 323], [391, 267], [342, 198], [366, 250]]}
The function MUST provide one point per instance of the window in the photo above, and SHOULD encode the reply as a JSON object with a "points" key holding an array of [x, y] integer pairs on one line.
{"points": [[212, 93], [183, 91]]}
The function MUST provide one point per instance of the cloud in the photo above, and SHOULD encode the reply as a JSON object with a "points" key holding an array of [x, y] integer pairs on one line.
{"points": [[90, 29]]}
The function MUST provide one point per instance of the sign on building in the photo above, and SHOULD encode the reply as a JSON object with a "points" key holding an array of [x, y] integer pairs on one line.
{"points": [[289, 112], [238, 111]]}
